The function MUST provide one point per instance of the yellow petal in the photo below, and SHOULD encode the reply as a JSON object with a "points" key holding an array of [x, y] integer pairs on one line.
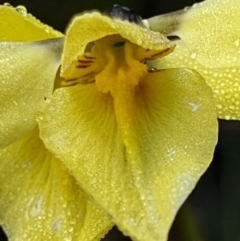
{"points": [[211, 31], [224, 82], [26, 82], [89, 27], [18, 25], [40, 200], [167, 23], [169, 138]]}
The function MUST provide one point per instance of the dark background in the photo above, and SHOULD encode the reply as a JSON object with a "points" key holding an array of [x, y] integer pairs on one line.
{"points": [[212, 212], [57, 13]]}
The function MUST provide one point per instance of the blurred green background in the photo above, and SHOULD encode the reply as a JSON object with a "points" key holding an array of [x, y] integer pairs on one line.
{"points": [[212, 212]]}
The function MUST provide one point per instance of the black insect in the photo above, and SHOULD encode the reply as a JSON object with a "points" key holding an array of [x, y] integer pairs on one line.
{"points": [[124, 13]]}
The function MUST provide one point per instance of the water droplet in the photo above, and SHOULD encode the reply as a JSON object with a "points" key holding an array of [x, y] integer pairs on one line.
{"points": [[57, 224], [194, 106], [27, 165], [193, 55], [236, 43], [131, 220], [37, 207], [195, 5], [22, 10], [69, 238], [7, 4]]}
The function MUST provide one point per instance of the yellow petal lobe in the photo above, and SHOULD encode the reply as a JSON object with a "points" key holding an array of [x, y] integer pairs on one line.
{"points": [[211, 31], [89, 27], [41, 201], [26, 82], [224, 82], [139, 164], [18, 25]]}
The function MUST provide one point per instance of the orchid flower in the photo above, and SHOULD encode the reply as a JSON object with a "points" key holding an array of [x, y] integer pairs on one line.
{"points": [[123, 139], [139, 134]]}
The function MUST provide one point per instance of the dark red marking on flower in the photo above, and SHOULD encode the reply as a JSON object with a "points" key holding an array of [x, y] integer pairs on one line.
{"points": [[89, 57], [85, 61]]}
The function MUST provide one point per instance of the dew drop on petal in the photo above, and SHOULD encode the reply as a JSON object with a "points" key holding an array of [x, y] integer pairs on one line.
{"points": [[69, 238], [57, 224], [7, 4], [37, 207], [22, 10], [236, 43], [194, 106], [193, 55], [195, 5]]}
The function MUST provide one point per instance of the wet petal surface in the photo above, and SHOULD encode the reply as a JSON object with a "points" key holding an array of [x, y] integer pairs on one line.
{"points": [[211, 31], [142, 175], [224, 82], [41, 201], [18, 25], [26, 82]]}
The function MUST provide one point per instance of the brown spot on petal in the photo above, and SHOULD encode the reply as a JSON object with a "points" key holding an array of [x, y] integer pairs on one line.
{"points": [[89, 57], [85, 61]]}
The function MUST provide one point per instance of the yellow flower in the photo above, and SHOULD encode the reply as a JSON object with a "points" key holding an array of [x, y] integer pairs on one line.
{"points": [[40, 200], [134, 138]]}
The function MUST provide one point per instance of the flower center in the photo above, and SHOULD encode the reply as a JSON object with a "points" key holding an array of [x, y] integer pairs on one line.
{"points": [[123, 68], [113, 63], [116, 66]]}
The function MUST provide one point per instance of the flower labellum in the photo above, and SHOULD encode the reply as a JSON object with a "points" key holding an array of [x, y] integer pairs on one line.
{"points": [[136, 139]]}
